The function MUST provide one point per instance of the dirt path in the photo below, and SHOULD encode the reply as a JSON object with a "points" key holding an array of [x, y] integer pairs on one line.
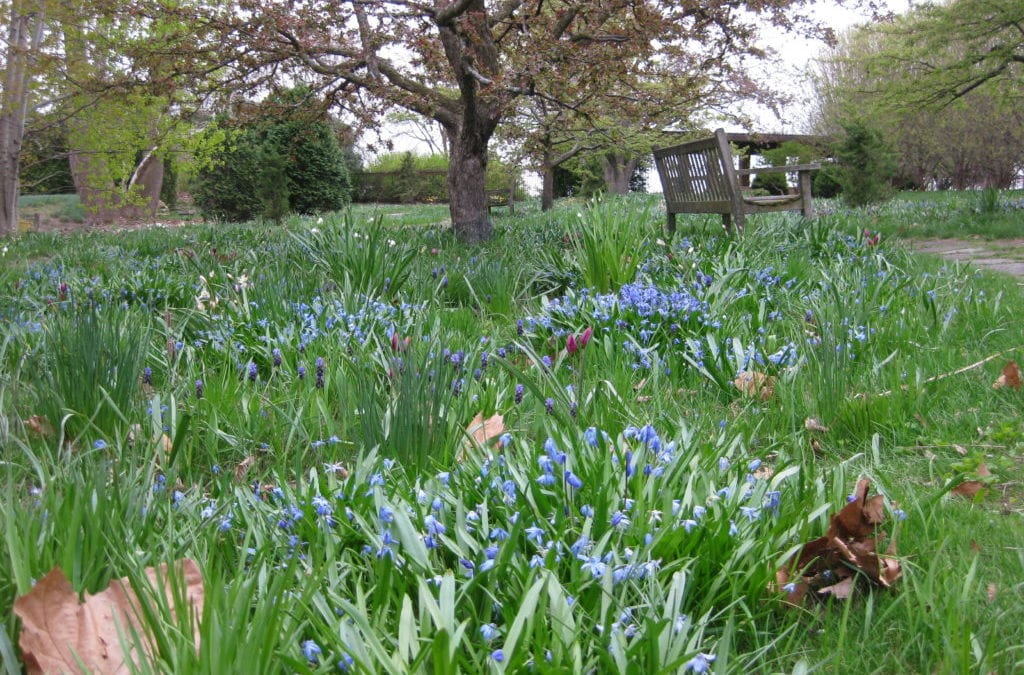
{"points": [[1001, 255]]}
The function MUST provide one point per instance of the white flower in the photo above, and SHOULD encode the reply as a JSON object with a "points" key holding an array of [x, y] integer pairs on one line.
{"points": [[319, 221]]}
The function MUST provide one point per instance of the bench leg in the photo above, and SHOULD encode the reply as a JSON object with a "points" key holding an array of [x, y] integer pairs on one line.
{"points": [[727, 223], [671, 224], [806, 201]]}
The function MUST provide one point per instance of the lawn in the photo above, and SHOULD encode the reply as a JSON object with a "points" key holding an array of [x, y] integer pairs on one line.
{"points": [[387, 452]]}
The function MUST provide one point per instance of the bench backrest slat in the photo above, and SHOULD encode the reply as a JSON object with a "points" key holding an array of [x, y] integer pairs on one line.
{"points": [[693, 172]]}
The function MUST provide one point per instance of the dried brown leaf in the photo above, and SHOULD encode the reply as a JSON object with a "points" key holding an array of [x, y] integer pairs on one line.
{"points": [[39, 425], [814, 424], [755, 385], [874, 510], [839, 591], [991, 592], [1010, 377], [481, 430], [890, 571], [58, 631], [970, 488], [243, 468]]}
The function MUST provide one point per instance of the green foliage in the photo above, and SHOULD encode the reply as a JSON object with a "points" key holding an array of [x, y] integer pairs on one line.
{"points": [[88, 371], [770, 183], [827, 182], [608, 240], [44, 161], [409, 178], [286, 159], [359, 256], [169, 188], [635, 514], [229, 187], [866, 163]]}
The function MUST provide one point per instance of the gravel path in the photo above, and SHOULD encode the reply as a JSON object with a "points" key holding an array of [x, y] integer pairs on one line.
{"points": [[1001, 255]]}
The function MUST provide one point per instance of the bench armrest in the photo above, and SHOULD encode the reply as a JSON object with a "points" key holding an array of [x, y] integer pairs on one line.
{"points": [[780, 169]]}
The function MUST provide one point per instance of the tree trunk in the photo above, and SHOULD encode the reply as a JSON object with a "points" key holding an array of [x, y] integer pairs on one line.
{"points": [[24, 36], [467, 194], [617, 171], [105, 202], [547, 192]]}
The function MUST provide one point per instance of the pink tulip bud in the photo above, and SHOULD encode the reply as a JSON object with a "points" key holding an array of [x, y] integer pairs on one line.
{"points": [[570, 344], [585, 337]]}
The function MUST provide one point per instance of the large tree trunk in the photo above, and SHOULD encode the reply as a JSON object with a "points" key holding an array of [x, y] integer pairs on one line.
{"points": [[547, 190], [24, 36], [617, 171], [467, 193], [105, 202]]}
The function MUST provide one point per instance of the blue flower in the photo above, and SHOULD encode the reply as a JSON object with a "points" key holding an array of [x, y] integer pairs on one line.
{"points": [[594, 565], [752, 513], [499, 534], [387, 514], [587, 511], [701, 663], [620, 520], [311, 650], [534, 533], [590, 436], [489, 631], [498, 655], [546, 479], [573, 480], [99, 444]]}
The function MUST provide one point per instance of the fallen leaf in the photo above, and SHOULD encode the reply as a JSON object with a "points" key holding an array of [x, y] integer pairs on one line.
{"points": [[840, 591], [816, 446], [1010, 377], [481, 430], [961, 450], [755, 385], [814, 424], [38, 424], [991, 592], [243, 468], [59, 632], [643, 399], [830, 564], [970, 488]]}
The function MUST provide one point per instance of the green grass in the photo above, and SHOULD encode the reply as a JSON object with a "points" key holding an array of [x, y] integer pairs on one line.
{"points": [[973, 214], [61, 207], [326, 485]]}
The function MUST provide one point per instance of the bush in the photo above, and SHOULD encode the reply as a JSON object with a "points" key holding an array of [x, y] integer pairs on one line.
{"points": [[771, 183], [827, 182], [285, 158], [867, 165]]}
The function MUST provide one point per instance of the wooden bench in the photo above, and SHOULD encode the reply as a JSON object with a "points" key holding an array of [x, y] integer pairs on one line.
{"points": [[502, 197], [700, 177]]}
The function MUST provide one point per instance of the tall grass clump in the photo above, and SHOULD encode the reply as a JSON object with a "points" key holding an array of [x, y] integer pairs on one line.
{"points": [[87, 368], [365, 258], [608, 240]]}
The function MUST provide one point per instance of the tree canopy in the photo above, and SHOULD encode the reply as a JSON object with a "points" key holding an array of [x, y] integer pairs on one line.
{"points": [[463, 63]]}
